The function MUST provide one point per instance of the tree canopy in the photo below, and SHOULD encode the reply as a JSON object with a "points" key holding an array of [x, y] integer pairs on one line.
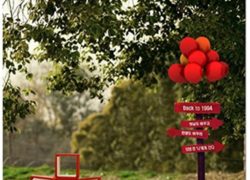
{"points": [[94, 43]]}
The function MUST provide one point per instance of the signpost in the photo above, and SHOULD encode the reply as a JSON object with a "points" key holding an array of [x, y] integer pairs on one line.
{"points": [[197, 107], [214, 123], [202, 134], [198, 132], [196, 57], [215, 147]]}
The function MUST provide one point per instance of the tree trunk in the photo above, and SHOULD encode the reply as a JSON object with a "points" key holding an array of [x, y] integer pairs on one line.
{"points": [[10, 147]]}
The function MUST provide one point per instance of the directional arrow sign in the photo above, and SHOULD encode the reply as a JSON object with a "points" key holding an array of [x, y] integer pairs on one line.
{"points": [[216, 147], [201, 134], [197, 107], [214, 123]]}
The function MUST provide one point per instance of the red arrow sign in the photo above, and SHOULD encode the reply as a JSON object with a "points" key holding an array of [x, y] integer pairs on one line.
{"points": [[216, 147], [214, 123], [201, 134], [197, 107]]}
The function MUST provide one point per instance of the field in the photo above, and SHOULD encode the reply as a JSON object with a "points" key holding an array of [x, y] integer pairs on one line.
{"points": [[23, 173]]}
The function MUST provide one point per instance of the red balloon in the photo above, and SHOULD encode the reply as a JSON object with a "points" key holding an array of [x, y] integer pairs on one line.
{"points": [[193, 73], [175, 73], [213, 55], [197, 57], [188, 45], [225, 68], [214, 71]]}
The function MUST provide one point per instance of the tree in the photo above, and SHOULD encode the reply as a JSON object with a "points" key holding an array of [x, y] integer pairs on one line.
{"points": [[139, 42], [69, 110]]}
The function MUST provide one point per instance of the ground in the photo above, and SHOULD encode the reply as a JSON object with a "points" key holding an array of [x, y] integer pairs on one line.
{"points": [[23, 173]]}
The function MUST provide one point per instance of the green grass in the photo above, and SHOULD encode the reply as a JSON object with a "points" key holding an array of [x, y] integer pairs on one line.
{"points": [[23, 173]]}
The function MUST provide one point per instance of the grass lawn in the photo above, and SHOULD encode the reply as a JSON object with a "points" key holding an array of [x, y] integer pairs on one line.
{"points": [[23, 173]]}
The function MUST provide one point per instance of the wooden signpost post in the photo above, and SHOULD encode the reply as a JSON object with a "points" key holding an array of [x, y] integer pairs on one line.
{"points": [[199, 133]]}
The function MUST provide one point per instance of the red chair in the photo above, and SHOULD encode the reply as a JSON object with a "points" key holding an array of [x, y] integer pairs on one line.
{"points": [[59, 176]]}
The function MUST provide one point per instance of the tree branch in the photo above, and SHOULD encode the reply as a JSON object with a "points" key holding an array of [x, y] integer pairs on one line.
{"points": [[11, 13]]}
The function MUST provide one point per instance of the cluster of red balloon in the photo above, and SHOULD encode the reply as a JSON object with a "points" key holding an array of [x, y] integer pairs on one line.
{"points": [[196, 57]]}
